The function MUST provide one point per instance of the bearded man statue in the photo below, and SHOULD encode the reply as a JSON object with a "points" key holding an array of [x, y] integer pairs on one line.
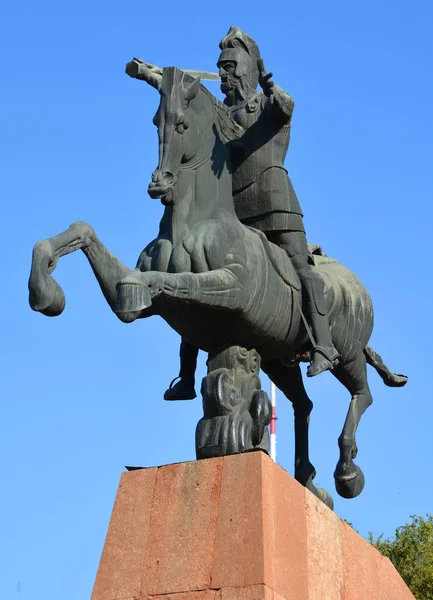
{"points": [[263, 193]]}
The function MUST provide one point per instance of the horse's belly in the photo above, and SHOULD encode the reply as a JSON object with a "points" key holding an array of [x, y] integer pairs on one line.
{"points": [[268, 330]]}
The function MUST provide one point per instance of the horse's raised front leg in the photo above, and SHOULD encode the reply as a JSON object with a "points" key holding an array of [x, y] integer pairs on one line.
{"points": [[221, 288], [46, 295], [349, 479], [289, 381]]}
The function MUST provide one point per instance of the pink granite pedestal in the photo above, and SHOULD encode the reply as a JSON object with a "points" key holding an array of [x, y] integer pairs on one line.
{"points": [[234, 528]]}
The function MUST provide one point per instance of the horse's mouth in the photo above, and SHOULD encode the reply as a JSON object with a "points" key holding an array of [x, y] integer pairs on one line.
{"points": [[164, 192], [158, 190]]}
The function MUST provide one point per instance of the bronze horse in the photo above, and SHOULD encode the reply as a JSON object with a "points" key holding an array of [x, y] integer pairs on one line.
{"points": [[225, 289]]}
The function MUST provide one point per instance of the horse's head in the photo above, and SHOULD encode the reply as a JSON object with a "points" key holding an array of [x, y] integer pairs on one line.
{"points": [[178, 132]]}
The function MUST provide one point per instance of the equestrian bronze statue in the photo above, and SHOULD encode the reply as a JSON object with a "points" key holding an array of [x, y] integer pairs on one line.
{"points": [[230, 269]]}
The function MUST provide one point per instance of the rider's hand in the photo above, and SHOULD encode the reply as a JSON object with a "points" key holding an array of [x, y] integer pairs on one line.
{"points": [[265, 81]]}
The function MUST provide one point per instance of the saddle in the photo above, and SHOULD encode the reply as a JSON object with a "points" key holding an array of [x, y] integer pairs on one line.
{"points": [[284, 267], [279, 260]]}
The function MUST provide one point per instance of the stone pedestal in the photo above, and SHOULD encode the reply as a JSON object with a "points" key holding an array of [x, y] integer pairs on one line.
{"points": [[234, 528]]}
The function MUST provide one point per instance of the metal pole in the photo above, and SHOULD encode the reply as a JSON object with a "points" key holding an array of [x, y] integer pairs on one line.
{"points": [[273, 425]]}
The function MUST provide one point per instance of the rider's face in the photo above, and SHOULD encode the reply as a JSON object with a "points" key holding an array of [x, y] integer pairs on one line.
{"points": [[229, 81], [227, 66]]}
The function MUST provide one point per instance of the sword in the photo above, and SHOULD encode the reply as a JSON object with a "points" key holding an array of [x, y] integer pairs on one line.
{"points": [[205, 75]]}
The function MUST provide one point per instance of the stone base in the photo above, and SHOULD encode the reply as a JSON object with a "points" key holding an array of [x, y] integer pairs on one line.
{"points": [[234, 528]]}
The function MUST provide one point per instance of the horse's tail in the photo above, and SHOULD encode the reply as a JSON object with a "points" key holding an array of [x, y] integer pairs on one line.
{"points": [[389, 378]]}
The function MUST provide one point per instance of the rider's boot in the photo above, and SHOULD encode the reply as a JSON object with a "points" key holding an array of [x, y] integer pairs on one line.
{"points": [[324, 354], [184, 388]]}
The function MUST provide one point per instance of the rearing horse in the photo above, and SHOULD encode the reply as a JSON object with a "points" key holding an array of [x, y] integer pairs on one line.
{"points": [[225, 289]]}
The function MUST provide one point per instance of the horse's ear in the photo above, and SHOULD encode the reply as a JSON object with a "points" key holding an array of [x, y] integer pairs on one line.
{"points": [[192, 89], [138, 69]]}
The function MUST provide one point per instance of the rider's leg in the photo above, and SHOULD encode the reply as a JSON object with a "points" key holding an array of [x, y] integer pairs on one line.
{"points": [[184, 388], [325, 356]]}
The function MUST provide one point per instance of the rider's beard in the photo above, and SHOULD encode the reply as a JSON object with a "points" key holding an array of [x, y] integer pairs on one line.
{"points": [[229, 83]]}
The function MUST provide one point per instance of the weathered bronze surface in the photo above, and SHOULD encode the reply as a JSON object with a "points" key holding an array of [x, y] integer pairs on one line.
{"points": [[230, 269]]}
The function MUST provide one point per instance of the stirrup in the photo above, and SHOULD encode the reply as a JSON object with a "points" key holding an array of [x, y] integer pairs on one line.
{"points": [[331, 361], [170, 387], [188, 395]]}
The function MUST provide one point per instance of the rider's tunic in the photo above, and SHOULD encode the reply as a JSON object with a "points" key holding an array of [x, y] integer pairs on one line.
{"points": [[263, 194]]}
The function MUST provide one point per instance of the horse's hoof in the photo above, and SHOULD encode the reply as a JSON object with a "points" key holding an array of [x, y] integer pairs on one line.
{"points": [[58, 304], [132, 298], [325, 497], [321, 494], [47, 299], [46, 295], [351, 483]]}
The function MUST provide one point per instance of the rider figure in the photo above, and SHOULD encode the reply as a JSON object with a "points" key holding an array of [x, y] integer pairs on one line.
{"points": [[263, 194]]}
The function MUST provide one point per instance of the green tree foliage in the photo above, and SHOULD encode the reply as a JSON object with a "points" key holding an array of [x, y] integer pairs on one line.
{"points": [[411, 552]]}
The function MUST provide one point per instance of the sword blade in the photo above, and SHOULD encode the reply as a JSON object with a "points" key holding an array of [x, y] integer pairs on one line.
{"points": [[205, 75]]}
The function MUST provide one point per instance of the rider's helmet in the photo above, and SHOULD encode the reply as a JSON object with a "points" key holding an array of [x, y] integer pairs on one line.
{"points": [[238, 47]]}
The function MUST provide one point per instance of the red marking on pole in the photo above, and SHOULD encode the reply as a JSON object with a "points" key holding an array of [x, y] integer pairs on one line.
{"points": [[273, 424]]}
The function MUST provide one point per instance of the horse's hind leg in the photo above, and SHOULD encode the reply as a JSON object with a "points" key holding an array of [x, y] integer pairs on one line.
{"points": [[349, 479], [289, 381]]}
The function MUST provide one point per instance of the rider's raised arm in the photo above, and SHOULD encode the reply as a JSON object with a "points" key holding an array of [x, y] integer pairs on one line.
{"points": [[139, 69], [282, 104]]}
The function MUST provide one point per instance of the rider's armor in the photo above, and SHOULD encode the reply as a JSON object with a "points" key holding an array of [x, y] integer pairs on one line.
{"points": [[262, 191]]}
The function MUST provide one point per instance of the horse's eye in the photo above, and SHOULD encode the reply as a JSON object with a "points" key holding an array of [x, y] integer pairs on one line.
{"points": [[180, 128]]}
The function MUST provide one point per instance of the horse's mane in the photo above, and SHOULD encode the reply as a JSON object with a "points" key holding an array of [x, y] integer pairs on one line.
{"points": [[227, 126]]}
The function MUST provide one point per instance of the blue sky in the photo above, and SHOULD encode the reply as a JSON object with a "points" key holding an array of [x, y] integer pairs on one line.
{"points": [[82, 394]]}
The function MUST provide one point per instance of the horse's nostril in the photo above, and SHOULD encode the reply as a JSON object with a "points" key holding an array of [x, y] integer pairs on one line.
{"points": [[168, 177], [162, 177]]}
